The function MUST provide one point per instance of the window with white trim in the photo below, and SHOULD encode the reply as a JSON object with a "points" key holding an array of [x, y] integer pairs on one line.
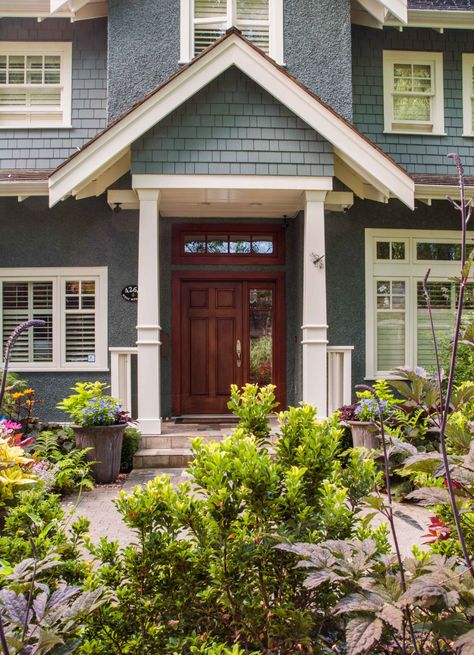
{"points": [[35, 84], [397, 320], [73, 304], [413, 92], [204, 21], [468, 93]]}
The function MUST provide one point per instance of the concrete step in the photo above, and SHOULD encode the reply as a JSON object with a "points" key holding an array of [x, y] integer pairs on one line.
{"points": [[177, 440], [162, 458]]}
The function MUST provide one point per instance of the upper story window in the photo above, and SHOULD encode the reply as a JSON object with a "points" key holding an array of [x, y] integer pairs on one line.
{"points": [[468, 92], [35, 84], [204, 21], [413, 92]]}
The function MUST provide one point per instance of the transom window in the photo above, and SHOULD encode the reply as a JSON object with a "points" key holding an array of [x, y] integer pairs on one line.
{"points": [[204, 21], [35, 84], [398, 327], [413, 92], [73, 304], [468, 93], [227, 244]]}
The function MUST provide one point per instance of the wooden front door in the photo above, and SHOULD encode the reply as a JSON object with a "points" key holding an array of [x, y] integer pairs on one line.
{"points": [[226, 331], [211, 345]]}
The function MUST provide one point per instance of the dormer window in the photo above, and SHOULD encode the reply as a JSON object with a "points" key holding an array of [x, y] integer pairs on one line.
{"points": [[204, 21], [413, 92], [35, 84]]}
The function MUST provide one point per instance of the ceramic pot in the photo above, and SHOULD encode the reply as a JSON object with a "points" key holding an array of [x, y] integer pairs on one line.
{"points": [[105, 443], [363, 435]]}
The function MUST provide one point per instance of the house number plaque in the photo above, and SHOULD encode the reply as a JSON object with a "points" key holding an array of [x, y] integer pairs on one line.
{"points": [[130, 293]]}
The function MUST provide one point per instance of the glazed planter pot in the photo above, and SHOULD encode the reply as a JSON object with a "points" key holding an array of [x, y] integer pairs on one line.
{"points": [[363, 435], [105, 443]]}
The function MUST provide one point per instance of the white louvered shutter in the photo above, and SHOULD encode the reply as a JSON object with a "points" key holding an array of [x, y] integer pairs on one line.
{"points": [[253, 19], [391, 324], [23, 301], [80, 321], [210, 22]]}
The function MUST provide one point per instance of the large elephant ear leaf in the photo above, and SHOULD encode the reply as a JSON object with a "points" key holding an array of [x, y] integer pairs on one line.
{"points": [[362, 634], [465, 644]]}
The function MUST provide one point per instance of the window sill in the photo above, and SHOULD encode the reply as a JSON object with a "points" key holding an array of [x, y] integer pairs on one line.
{"points": [[468, 136], [43, 369], [370, 378], [413, 133], [36, 126]]}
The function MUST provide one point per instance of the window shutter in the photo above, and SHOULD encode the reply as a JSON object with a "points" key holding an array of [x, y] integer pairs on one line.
{"points": [[80, 321], [391, 324], [23, 301]]}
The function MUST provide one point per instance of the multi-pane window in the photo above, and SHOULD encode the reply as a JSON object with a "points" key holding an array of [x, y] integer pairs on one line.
{"points": [[73, 307], [398, 324], [468, 93], [35, 84], [413, 92], [204, 21]]}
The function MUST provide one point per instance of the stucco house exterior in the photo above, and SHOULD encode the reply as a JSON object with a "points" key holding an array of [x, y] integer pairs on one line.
{"points": [[196, 193]]}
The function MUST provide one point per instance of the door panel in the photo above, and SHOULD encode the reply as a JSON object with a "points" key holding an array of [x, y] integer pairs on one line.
{"points": [[211, 325]]}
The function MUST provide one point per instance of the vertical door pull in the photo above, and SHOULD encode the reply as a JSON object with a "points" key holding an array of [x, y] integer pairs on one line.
{"points": [[238, 350]]}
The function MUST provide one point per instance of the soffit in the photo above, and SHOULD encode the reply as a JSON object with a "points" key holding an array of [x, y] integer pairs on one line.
{"points": [[41, 9]]}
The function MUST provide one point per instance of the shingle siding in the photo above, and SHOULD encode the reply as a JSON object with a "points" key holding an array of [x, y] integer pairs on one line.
{"points": [[232, 127], [47, 148], [418, 154]]}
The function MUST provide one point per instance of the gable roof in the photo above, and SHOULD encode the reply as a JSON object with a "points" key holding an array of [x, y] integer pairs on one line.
{"points": [[111, 147]]}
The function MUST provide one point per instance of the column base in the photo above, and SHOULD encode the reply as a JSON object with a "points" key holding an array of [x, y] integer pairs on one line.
{"points": [[315, 372], [149, 427]]}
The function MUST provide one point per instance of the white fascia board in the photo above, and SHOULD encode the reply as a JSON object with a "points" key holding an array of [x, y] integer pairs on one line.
{"points": [[375, 9], [438, 19], [441, 192], [398, 8], [247, 182], [233, 51], [23, 189]]}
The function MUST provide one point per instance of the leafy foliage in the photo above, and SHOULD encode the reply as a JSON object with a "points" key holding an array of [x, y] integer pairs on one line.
{"points": [[204, 575], [131, 443], [89, 405], [253, 405]]}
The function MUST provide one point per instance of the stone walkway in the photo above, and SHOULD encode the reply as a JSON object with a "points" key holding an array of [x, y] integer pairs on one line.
{"points": [[98, 507]]}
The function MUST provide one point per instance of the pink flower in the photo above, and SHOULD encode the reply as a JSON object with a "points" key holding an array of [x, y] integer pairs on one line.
{"points": [[10, 426]]}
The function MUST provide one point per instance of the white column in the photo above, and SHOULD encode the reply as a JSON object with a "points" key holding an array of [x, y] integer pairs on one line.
{"points": [[314, 329], [148, 327]]}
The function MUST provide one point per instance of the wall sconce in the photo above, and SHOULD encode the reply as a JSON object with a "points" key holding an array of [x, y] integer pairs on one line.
{"points": [[318, 260]]}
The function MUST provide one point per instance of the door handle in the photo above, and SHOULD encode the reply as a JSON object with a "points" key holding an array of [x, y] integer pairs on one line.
{"points": [[238, 350]]}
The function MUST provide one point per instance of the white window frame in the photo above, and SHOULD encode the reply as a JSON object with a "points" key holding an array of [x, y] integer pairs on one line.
{"points": [[411, 270], [29, 118], [435, 60], [467, 92], [58, 276], [275, 35]]}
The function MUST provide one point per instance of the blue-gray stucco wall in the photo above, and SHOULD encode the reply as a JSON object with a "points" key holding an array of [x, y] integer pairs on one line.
{"points": [[345, 263], [47, 148], [317, 39], [418, 154], [232, 127], [84, 233], [143, 46]]}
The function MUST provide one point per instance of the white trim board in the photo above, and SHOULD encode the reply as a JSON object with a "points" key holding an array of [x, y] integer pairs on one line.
{"points": [[232, 50]]}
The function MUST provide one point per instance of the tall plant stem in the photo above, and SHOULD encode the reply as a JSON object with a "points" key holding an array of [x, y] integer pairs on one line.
{"points": [[389, 513], [465, 216], [3, 639]]}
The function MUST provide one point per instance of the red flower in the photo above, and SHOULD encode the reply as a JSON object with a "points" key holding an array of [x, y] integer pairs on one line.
{"points": [[437, 530]]}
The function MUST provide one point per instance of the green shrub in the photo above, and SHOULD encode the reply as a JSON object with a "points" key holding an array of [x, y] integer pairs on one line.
{"points": [[204, 575], [253, 405], [131, 442]]}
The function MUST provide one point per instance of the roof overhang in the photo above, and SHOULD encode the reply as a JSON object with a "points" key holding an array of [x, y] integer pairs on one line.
{"points": [[376, 13], [436, 19], [41, 9], [111, 148]]}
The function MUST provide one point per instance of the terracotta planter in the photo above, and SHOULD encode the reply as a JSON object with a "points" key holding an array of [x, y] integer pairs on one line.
{"points": [[363, 435], [105, 443]]}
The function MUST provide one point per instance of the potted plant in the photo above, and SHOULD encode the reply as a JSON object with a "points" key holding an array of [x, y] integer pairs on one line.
{"points": [[98, 422]]}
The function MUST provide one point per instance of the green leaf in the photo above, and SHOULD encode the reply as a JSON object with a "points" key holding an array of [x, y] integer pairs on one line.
{"points": [[362, 634], [451, 627]]}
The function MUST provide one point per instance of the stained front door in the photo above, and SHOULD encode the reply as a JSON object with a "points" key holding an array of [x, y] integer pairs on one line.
{"points": [[226, 331]]}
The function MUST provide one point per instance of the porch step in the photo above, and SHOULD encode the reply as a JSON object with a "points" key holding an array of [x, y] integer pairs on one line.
{"points": [[177, 440], [162, 458]]}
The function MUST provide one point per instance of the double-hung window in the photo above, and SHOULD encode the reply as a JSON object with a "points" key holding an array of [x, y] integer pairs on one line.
{"points": [[73, 305], [413, 92], [468, 92], [397, 320], [35, 84], [204, 21]]}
